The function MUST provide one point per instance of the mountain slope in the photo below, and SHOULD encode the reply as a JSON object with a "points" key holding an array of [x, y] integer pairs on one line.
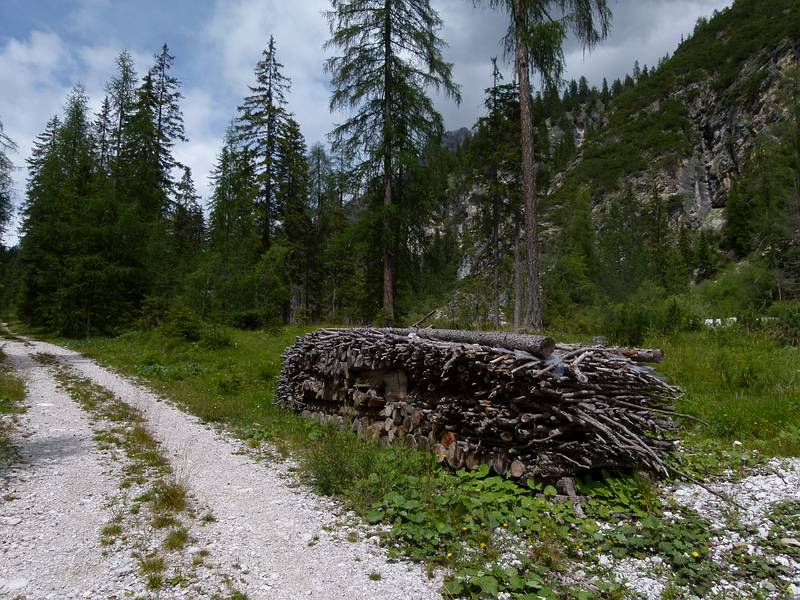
{"points": [[687, 129]]}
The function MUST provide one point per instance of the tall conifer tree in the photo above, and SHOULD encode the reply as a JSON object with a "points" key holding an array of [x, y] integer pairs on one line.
{"points": [[298, 233], [391, 53], [262, 117], [536, 34], [121, 91], [167, 116]]}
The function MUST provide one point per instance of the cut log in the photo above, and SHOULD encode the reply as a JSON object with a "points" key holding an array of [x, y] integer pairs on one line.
{"points": [[537, 345]]}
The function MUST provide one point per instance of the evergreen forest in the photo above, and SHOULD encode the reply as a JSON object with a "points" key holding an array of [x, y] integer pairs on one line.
{"points": [[392, 218]]}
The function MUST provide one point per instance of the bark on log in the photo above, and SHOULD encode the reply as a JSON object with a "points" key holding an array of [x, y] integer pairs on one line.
{"points": [[470, 403], [537, 345]]}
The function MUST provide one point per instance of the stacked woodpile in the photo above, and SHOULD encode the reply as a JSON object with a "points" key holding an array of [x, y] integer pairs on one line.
{"points": [[518, 403]]}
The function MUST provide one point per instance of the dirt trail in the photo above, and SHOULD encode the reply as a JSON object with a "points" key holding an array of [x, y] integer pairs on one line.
{"points": [[276, 539]]}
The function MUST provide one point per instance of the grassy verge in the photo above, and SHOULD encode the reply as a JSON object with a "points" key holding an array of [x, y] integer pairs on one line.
{"points": [[744, 384], [12, 393], [493, 535]]}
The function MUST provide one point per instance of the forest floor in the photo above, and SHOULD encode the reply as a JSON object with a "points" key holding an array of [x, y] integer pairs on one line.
{"points": [[116, 493], [226, 503]]}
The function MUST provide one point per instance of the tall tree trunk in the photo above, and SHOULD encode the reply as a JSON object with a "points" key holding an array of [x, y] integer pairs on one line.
{"points": [[266, 225], [496, 261], [533, 310], [518, 297], [334, 284], [388, 238]]}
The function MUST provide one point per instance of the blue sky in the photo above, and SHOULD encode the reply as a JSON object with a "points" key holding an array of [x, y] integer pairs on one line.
{"points": [[47, 46]]}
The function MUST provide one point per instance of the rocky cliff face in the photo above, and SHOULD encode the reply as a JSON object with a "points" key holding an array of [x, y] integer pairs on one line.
{"points": [[724, 135], [724, 126]]}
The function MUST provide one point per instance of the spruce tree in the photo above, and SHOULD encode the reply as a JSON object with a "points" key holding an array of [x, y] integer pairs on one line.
{"points": [[704, 256], [624, 266], [167, 116], [659, 239], [298, 233], [225, 281], [580, 230], [186, 225], [494, 160], [140, 165], [391, 53], [320, 172], [103, 136], [262, 117], [232, 219], [56, 289]]}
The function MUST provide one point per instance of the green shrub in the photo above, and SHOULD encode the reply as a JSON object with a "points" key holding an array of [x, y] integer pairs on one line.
{"points": [[229, 382], [153, 311], [649, 312], [336, 460], [783, 322], [743, 288], [182, 323], [214, 337]]}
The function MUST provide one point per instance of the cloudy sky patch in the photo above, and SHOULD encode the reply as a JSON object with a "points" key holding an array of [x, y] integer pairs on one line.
{"points": [[47, 46]]}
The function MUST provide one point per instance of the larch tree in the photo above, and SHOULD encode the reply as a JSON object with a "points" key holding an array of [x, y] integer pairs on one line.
{"points": [[536, 34], [391, 54], [262, 117]]}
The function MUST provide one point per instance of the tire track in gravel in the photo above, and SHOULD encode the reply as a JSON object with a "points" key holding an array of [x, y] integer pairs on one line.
{"points": [[272, 535], [55, 500]]}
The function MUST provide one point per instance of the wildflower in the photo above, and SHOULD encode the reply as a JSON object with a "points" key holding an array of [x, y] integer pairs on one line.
{"points": [[696, 554], [449, 554]]}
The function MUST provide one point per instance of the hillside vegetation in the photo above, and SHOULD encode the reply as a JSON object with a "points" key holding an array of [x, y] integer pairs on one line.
{"points": [[653, 188]]}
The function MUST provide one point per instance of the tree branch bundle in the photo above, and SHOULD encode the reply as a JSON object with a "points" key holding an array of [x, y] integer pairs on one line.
{"points": [[520, 404]]}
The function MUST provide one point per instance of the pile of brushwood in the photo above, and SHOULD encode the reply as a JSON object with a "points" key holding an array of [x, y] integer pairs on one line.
{"points": [[519, 403]]}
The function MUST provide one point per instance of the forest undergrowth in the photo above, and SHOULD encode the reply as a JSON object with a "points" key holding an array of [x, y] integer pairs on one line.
{"points": [[491, 535]]}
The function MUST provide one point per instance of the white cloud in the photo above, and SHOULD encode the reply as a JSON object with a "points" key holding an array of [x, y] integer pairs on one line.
{"points": [[31, 71]]}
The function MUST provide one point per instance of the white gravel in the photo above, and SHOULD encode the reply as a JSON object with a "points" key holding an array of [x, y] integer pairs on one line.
{"points": [[778, 480], [755, 495], [275, 538], [54, 501]]}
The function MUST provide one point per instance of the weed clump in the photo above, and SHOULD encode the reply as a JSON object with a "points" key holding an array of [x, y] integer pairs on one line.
{"points": [[169, 496], [177, 539]]}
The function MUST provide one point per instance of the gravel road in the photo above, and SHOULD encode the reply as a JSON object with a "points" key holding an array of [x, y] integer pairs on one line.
{"points": [[273, 537], [54, 501]]}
